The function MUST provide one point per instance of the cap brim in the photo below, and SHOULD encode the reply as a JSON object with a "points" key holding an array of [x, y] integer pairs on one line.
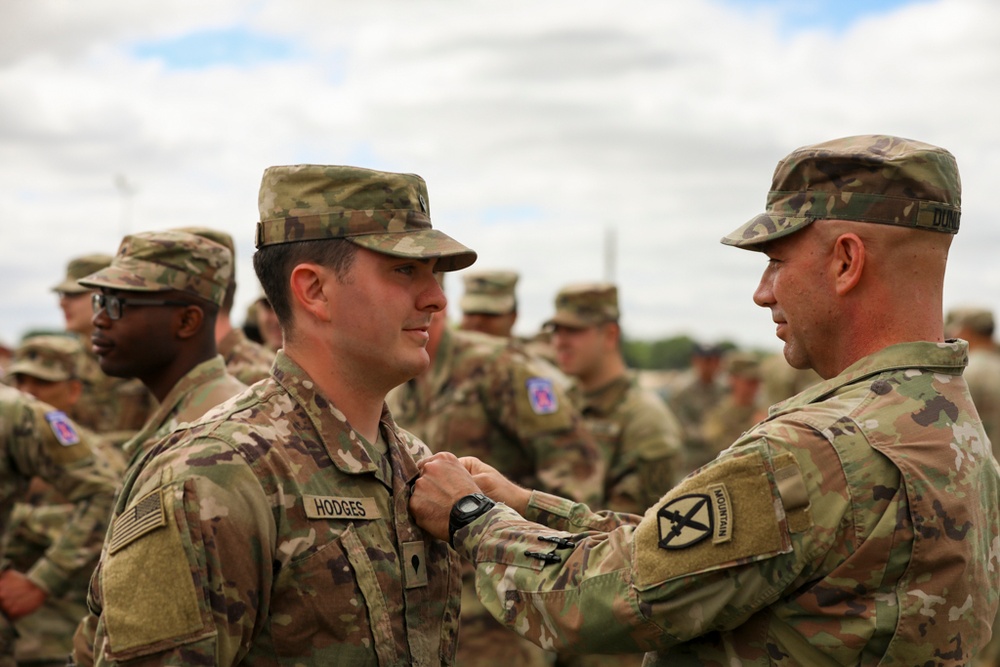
{"points": [[115, 277], [420, 244], [568, 320], [36, 371], [762, 229], [70, 286]]}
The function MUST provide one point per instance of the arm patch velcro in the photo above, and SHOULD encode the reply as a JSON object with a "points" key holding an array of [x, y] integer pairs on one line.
{"points": [[727, 514]]}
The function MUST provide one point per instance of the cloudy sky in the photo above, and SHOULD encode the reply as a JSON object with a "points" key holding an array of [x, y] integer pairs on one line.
{"points": [[542, 128]]}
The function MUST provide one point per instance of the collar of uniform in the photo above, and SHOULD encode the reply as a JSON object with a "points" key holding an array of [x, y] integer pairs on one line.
{"points": [[230, 341], [348, 450], [949, 357], [603, 400]]}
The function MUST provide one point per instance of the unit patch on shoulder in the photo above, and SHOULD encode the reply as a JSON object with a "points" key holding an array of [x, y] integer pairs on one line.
{"points": [[542, 396], [689, 519], [62, 428]]}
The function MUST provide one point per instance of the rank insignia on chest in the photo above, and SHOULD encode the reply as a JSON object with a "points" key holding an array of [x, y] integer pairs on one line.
{"points": [[62, 428], [542, 396], [685, 521]]}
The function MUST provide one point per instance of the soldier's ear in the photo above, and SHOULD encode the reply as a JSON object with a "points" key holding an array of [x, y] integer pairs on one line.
{"points": [[306, 286], [189, 321], [848, 262]]}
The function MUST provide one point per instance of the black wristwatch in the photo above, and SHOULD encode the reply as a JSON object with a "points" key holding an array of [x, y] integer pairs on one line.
{"points": [[466, 510]]}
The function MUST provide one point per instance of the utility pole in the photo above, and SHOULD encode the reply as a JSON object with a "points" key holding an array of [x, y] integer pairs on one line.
{"points": [[126, 191]]}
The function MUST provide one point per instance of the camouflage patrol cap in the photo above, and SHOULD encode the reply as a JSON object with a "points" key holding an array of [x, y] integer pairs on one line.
{"points": [[585, 305], [978, 320], [381, 211], [868, 178], [81, 267], [217, 235], [168, 260], [51, 358], [743, 364], [489, 292]]}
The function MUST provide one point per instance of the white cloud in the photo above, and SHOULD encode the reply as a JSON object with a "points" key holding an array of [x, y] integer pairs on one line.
{"points": [[664, 120]]}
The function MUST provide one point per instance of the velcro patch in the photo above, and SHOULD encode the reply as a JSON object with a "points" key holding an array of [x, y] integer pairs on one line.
{"points": [[414, 564], [143, 517], [62, 428], [333, 507], [541, 396]]}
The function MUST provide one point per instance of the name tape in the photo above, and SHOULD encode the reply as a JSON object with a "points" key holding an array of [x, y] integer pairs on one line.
{"points": [[333, 507]]}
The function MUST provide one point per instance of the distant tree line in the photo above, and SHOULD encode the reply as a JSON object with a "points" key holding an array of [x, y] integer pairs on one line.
{"points": [[664, 354]]}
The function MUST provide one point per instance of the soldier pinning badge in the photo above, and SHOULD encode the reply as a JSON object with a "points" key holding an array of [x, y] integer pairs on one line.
{"points": [[542, 396], [62, 428]]}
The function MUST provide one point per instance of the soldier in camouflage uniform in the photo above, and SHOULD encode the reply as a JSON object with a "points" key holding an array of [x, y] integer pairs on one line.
{"points": [[37, 440], [691, 402], [738, 410], [484, 396], [114, 407], [854, 526], [638, 435], [275, 530], [780, 381], [48, 368], [246, 360], [489, 305]]}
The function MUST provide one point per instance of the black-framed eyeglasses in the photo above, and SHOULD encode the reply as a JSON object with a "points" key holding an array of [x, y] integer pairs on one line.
{"points": [[114, 306]]}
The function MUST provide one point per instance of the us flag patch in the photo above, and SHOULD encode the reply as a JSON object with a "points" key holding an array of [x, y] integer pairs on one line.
{"points": [[143, 517], [542, 396]]}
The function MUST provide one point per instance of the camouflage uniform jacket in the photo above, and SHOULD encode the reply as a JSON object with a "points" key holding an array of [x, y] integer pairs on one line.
{"points": [[246, 360], [641, 442], [484, 397], [116, 408], [983, 376], [855, 526], [38, 441], [690, 405], [271, 533], [201, 389]]}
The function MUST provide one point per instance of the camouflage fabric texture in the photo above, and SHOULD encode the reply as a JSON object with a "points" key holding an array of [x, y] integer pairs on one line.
{"points": [[81, 267], [270, 532], [39, 441], [489, 292], [854, 526], [246, 360], [868, 178], [690, 404], [476, 400], [724, 424], [168, 260], [641, 440], [382, 211], [585, 305]]}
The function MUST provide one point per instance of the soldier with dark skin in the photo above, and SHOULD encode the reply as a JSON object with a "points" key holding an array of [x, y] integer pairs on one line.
{"points": [[854, 526], [275, 529]]}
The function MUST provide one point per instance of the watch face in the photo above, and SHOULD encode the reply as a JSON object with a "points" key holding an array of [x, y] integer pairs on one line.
{"points": [[468, 504]]}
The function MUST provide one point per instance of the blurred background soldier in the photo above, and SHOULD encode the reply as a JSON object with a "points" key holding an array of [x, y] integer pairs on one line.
{"points": [[484, 396], [246, 360], [36, 440], [267, 324], [48, 368], [638, 436], [975, 325], [113, 407], [780, 381], [694, 399], [739, 409]]}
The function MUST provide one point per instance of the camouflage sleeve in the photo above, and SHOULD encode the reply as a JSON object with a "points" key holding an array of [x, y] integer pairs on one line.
{"points": [[650, 455], [565, 515], [188, 561], [48, 445], [689, 567], [567, 460]]}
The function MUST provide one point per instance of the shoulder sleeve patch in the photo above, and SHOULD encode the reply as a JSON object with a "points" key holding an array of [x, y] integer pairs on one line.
{"points": [[726, 515], [540, 405], [62, 428]]}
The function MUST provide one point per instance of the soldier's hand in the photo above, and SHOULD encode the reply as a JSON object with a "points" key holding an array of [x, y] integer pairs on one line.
{"points": [[443, 480], [496, 486], [18, 595]]}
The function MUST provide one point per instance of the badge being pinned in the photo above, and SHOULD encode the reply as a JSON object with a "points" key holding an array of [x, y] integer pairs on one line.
{"points": [[542, 396], [62, 428]]}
